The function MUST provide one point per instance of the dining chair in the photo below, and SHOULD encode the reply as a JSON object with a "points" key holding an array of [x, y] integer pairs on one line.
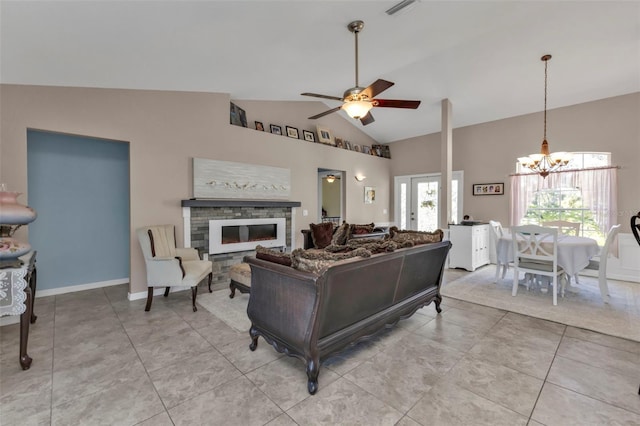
{"points": [[535, 251], [169, 266], [496, 233], [564, 226], [599, 263]]}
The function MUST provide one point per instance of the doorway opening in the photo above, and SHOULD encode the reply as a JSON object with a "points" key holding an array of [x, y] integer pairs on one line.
{"points": [[331, 203]]}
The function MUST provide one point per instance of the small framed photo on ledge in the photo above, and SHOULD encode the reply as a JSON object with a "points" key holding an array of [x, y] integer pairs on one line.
{"points": [[275, 129], [488, 189], [259, 126], [292, 132], [324, 135], [309, 136]]}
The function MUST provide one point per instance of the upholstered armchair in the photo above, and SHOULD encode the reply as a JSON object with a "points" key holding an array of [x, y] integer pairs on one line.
{"points": [[169, 266]]}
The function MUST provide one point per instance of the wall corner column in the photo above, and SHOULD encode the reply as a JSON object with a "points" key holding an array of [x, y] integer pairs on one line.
{"points": [[446, 164]]}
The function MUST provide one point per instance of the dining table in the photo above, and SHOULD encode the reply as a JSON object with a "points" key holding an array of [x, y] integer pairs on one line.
{"points": [[574, 252]]}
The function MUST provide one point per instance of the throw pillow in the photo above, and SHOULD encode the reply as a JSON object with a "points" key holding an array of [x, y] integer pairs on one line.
{"points": [[317, 262], [341, 234], [321, 234], [274, 256], [361, 229], [416, 237]]}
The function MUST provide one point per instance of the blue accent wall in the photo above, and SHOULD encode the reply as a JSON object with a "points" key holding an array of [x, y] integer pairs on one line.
{"points": [[80, 188]]}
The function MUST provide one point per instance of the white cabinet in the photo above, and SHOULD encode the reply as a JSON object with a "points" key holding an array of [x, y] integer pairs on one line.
{"points": [[470, 248]]}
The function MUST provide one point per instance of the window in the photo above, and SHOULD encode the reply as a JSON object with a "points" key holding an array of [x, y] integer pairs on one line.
{"points": [[584, 192]]}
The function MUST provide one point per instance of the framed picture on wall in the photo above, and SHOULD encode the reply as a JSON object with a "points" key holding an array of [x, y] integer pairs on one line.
{"points": [[488, 188], [369, 194]]}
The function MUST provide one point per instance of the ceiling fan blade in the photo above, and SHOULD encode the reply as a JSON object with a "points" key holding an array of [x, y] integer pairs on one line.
{"points": [[367, 119], [395, 103], [377, 87], [322, 114], [316, 95]]}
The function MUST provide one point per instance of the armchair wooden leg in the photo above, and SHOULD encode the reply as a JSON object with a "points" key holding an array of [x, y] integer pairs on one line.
{"points": [[194, 292], [166, 291], [210, 278], [149, 299]]}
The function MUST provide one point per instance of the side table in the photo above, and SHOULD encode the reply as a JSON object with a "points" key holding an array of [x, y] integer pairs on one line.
{"points": [[17, 294]]}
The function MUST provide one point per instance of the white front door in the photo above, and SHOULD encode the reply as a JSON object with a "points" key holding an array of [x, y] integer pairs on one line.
{"points": [[424, 209], [416, 205]]}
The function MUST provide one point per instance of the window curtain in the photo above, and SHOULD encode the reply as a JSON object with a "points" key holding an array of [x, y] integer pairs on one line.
{"points": [[599, 187]]}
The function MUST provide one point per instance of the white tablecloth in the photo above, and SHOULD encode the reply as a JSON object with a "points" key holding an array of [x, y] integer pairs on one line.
{"points": [[573, 252]]}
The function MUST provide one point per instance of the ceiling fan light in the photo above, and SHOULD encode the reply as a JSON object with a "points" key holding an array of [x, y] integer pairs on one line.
{"points": [[357, 109], [331, 178]]}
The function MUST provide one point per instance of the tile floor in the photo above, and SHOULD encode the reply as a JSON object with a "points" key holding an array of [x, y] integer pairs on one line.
{"points": [[100, 359]]}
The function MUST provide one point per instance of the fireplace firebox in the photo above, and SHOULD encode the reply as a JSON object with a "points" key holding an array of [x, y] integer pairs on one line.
{"points": [[231, 235]]}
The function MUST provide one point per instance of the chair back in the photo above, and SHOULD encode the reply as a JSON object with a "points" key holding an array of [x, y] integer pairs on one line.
{"points": [[157, 241], [496, 226], [608, 242], [564, 226], [535, 244]]}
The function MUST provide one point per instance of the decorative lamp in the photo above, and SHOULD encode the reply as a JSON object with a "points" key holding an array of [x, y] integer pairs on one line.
{"points": [[360, 178], [545, 162], [12, 216], [331, 178]]}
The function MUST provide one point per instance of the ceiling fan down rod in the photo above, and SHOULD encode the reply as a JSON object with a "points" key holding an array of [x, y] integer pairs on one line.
{"points": [[355, 27]]}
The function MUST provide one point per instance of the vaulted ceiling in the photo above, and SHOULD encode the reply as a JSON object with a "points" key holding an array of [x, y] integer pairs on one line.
{"points": [[482, 55]]}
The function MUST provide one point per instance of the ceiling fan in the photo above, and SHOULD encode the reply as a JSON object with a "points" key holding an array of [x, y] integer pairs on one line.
{"points": [[358, 101]]}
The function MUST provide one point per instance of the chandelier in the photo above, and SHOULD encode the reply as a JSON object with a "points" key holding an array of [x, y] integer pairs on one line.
{"points": [[544, 162]]}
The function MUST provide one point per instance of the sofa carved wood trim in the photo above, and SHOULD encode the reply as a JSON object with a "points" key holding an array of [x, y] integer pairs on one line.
{"points": [[313, 317]]}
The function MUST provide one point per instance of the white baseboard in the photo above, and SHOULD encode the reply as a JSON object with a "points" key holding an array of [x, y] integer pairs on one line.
{"points": [[14, 319], [80, 287], [11, 319], [156, 292]]}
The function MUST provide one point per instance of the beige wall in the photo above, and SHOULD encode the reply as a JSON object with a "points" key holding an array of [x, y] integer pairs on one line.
{"points": [[166, 130], [487, 152]]}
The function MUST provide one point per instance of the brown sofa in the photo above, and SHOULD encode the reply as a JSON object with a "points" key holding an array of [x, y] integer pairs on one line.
{"points": [[314, 315]]}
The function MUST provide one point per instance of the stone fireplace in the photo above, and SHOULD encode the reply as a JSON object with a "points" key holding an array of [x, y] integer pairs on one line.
{"points": [[240, 217]]}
